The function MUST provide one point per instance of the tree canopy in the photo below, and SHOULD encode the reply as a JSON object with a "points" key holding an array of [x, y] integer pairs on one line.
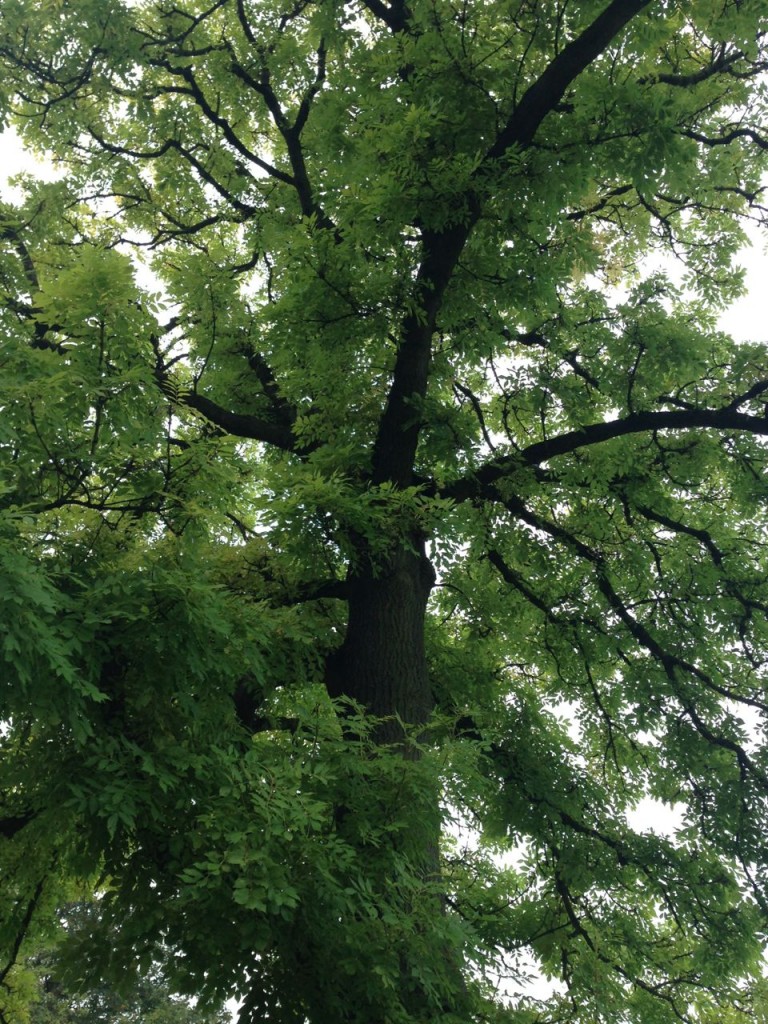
{"points": [[144, 1000], [376, 530]]}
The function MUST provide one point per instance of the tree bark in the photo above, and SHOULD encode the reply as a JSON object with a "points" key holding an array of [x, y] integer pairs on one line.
{"points": [[382, 663]]}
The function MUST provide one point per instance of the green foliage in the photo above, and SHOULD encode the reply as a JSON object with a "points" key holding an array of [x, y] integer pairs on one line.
{"points": [[377, 534], [145, 1000]]}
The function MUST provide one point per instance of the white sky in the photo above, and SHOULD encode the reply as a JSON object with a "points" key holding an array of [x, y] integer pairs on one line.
{"points": [[747, 319]]}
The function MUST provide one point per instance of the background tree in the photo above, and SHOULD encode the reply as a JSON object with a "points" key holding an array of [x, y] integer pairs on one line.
{"points": [[145, 1000], [368, 560]]}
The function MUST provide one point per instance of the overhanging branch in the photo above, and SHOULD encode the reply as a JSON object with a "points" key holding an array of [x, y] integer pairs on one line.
{"points": [[726, 418], [255, 428]]}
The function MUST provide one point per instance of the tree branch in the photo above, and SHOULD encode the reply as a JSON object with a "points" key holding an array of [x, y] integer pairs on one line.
{"points": [[726, 418], [726, 139], [722, 62], [395, 16], [397, 438], [291, 133], [547, 91], [239, 424], [280, 435], [194, 90], [671, 663], [22, 932], [398, 435], [243, 209], [14, 823]]}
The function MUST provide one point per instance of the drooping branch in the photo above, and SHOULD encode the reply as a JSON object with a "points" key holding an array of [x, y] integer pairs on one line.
{"points": [[675, 667], [516, 580], [571, 357], [702, 536], [243, 210], [10, 232], [279, 433]]}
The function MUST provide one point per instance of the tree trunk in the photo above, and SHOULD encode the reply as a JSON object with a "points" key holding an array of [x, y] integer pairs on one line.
{"points": [[382, 663]]}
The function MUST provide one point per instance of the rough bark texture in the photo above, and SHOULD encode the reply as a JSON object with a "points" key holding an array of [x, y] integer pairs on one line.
{"points": [[381, 664]]}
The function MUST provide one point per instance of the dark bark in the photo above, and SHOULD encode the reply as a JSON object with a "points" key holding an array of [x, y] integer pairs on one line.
{"points": [[548, 90], [394, 451], [382, 664], [13, 823], [726, 418]]}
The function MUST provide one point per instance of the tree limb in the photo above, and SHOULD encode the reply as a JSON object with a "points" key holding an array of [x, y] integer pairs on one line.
{"points": [[239, 424], [397, 439], [727, 138], [14, 823], [280, 435], [722, 62], [726, 418], [547, 91], [395, 16]]}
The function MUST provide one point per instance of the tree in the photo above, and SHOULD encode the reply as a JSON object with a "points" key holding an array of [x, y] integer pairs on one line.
{"points": [[376, 532], [145, 1000]]}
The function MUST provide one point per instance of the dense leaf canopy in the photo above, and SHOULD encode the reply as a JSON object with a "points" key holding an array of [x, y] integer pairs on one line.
{"points": [[376, 530]]}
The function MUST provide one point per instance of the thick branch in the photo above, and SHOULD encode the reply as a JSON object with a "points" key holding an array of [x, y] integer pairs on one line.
{"points": [[280, 435], [548, 90], [642, 422], [395, 448], [14, 823], [239, 424], [574, 440], [395, 16]]}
